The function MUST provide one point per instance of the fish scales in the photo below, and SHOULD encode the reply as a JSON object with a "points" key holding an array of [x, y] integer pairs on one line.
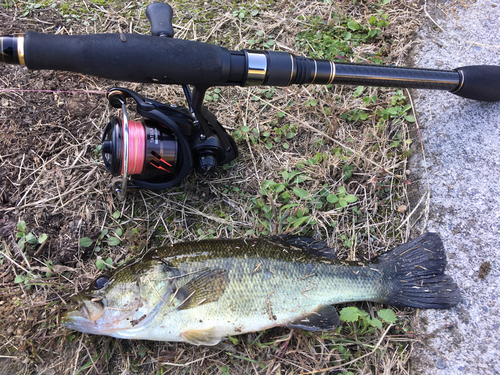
{"points": [[201, 292], [266, 287]]}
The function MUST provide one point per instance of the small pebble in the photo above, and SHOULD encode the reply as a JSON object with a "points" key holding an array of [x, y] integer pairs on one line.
{"points": [[440, 364]]}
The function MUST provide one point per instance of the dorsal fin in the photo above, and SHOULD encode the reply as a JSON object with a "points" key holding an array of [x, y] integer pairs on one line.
{"points": [[322, 319], [308, 245]]}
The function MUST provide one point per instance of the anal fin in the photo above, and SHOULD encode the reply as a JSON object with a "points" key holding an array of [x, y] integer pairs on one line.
{"points": [[324, 318], [208, 336]]}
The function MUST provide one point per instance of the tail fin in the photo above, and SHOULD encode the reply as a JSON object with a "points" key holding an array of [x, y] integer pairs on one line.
{"points": [[416, 273]]}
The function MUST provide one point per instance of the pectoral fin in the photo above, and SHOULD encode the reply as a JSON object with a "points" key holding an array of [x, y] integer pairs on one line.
{"points": [[323, 319], [209, 336], [208, 286]]}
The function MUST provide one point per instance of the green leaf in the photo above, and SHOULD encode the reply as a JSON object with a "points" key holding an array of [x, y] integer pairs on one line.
{"points": [[266, 208], [234, 341], [353, 25], [343, 202], [85, 242], [100, 264], [19, 279], [372, 20], [301, 220], [301, 193], [375, 323], [300, 178], [332, 198], [393, 110], [279, 188], [31, 239], [116, 215], [350, 198], [349, 314], [410, 118], [21, 226], [387, 315], [358, 91], [113, 241], [42, 238], [109, 261], [285, 196], [119, 232], [21, 243], [103, 233], [267, 185]]}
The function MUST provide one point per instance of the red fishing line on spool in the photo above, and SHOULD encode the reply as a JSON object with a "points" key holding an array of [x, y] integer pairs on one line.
{"points": [[136, 147]]}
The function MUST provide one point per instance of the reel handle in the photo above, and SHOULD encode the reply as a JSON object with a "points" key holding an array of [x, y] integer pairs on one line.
{"points": [[160, 17]]}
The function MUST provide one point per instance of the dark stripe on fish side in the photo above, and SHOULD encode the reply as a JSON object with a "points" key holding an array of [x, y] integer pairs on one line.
{"points": [[416, 273]]}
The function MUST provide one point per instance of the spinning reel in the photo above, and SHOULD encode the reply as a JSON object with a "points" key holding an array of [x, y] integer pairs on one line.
{"points": [[159, 151]]}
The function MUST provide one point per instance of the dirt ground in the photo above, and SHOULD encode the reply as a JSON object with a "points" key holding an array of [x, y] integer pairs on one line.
{"points": [[52, 178]]}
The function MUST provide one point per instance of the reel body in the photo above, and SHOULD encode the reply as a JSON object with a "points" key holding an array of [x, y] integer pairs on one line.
{"points": [[159, 151]]}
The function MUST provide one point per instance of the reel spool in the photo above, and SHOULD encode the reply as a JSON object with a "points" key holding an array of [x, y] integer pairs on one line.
{"points": [[158, 151], [151, 149]]}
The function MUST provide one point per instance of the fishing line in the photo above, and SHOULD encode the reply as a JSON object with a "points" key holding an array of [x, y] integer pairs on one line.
{"points": [[137, 142], [56, 91]]}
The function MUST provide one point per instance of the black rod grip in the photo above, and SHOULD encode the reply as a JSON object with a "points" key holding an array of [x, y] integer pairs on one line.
{"points": [[479, 82], [127, 57], [160, 17]]}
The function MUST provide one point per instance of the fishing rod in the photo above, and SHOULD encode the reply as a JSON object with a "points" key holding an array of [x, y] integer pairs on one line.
{"points": [[159, 151]]}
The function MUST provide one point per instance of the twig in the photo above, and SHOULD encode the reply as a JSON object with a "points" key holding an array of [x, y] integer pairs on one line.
{"points": [[428, 15]]}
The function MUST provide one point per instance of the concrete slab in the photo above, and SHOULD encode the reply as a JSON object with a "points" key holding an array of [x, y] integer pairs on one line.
{"points": [[461, 140]]}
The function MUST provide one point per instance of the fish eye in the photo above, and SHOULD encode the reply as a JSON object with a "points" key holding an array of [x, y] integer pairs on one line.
{"points": [[101, 281]]}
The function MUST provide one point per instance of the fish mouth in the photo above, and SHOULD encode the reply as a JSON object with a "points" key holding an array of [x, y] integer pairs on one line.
{"points": [[84, 314]]}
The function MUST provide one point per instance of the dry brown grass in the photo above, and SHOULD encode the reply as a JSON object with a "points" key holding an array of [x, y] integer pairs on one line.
{"points": [[52, 177]]}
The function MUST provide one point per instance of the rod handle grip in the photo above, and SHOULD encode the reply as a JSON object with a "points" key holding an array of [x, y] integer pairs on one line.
{"points": [[479, 82]]}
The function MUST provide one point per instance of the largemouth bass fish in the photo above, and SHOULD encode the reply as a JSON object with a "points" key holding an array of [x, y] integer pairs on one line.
{"points": [[201, 292]]}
